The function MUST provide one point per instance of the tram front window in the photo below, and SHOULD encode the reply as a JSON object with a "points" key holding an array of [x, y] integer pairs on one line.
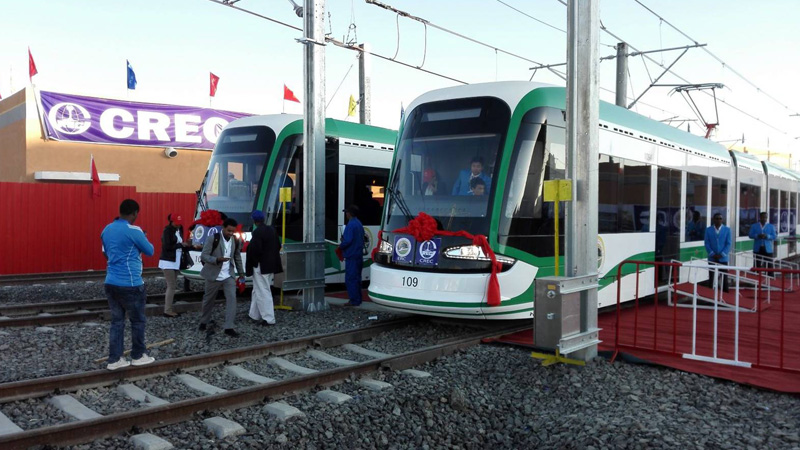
{"points": [[235, 171], [446, 164]]}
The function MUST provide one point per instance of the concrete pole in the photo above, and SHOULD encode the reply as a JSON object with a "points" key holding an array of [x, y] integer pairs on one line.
{"points": [[364, 82], [582, 157], [622, 75], [314, 147]]}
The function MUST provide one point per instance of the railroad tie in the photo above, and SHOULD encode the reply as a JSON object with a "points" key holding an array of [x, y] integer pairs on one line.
{"points": [[363, 351], [223, 428], [141, 396], [290, 366], [322, 356], [199, 385], [7, 426], [241, 372], [147, 441], [71, 406]]}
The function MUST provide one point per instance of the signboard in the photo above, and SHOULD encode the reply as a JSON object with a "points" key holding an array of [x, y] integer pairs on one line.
{"points": [[428, 252], [404, 247], [104, 121], [201, 233]]}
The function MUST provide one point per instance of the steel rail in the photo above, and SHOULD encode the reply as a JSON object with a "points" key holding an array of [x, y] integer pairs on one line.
{"points": [[158, 416], [55, 277], [18, 390], [20, 309]]}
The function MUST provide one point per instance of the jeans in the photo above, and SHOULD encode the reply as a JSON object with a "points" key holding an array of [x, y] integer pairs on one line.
{"points": [[122, 299]]}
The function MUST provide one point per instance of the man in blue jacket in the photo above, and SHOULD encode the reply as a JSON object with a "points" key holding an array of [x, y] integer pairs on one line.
{"points": [[352, 248], [123, 244], [764, 235], [718, 245], [462, 184]]}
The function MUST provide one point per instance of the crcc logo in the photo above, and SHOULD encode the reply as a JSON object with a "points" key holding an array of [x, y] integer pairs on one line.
{"points": [[69, 118]]}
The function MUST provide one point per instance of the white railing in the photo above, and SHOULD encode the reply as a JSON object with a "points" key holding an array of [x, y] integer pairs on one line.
{"points": [[748, 258], [738, 278]]}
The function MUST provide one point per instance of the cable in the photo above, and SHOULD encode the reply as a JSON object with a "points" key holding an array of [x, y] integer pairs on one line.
{"points": [[340, 85], [714, 56], [337, 43]]}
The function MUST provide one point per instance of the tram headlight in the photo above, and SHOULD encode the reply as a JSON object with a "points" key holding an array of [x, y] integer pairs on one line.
{"points": [[474, 253], [385, 248]]}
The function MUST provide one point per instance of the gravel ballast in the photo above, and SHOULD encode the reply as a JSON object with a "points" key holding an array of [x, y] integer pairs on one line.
{"points": [[488, 396]]}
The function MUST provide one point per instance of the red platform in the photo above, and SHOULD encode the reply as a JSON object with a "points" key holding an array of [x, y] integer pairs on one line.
{"points": [[661, 334]]}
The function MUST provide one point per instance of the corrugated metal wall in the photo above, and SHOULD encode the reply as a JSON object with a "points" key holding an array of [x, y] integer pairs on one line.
{"points": [[48, 227]]}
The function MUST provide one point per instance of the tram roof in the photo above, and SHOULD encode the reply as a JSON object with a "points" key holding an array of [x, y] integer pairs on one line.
{"points": [[529, 95], [781, 172], [747, 160], [333, 127]]}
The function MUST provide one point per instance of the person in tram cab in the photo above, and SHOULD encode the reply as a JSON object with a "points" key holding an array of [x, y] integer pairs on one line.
{"points": [[352, 248], [763, 235], [431, 183], [477, 186], [462, 184], [718, 245]]}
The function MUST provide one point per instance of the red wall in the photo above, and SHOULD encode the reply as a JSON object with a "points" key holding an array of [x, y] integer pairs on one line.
{"points": [[49, 227]]}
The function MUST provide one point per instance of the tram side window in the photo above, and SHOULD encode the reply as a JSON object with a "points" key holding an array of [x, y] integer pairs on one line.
{"points": [[784, 216], [749, 205], [527, 222], [774, 209], [719, 197], [793, 214], [696, 206], [624, 196], [365, 187]]}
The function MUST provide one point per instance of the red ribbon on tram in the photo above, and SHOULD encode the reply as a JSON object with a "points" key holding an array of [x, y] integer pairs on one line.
{"points": [[423, 228]]}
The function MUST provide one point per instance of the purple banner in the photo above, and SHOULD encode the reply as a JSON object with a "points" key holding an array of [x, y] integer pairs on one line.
{"points": [[99, 120]]}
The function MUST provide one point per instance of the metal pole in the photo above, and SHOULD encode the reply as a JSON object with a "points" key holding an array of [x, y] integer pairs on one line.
{"points": [[314, 147], [622, 74], [582, 156], [364, 82]]}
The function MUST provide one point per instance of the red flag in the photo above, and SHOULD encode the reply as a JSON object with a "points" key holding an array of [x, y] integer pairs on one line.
{"points": [[95, 180], [31, 65], [214, 82], [289, 95]]}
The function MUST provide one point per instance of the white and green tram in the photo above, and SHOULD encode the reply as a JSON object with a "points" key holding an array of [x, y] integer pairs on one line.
{"points": [[658, 189], [256, 156]]}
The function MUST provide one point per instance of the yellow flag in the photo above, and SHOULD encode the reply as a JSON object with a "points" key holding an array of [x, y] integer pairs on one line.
{"points": [[351, 110]]}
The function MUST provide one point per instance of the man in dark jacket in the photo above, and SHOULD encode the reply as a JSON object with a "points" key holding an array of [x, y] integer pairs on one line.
{"points": [[263, 259], [352, 248]]}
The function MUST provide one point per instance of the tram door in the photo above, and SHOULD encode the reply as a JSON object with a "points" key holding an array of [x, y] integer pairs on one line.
{"points": [[668, 219]]}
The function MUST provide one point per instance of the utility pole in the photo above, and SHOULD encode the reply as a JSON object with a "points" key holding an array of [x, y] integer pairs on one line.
{"points": [[314, 153], [583, 111], [622, 71], [364, 83]]}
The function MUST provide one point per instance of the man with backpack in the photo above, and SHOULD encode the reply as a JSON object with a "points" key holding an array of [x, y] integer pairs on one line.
{"points": [[221, 257]]}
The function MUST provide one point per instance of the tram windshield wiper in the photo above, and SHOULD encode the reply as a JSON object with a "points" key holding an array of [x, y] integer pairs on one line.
{"points": [[397, 197]]}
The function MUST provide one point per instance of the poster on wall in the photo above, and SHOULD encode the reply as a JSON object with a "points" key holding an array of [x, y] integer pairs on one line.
{"points": [[104, 121]]}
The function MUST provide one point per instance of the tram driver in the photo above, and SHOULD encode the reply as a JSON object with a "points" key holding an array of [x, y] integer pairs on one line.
{"points": [[462, 183]]}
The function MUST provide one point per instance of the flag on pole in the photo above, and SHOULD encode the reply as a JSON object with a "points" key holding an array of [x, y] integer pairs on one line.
{"points": [[31, 65], [214, 82], [402, 113], [95, 180], [351, 110], [289, 95], [131, 76]]}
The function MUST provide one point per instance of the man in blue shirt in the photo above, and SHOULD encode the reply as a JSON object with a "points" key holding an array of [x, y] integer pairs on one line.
{"points": [[718, 245], [123, 244], [352, 248], [763, 235], [462, 184]]}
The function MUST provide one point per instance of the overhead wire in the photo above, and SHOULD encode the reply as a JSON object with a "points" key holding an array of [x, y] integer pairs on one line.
{"points": [[745, 79], [340, 85]]}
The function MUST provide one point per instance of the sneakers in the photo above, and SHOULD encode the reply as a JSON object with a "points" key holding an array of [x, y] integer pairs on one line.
{"points": [[231, 332], [143, 360], [170, 314], [264, 323], [122, 362]]}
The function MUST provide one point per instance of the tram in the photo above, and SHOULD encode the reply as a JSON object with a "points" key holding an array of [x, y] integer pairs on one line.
{"points": [[256, 156], [474, 158]]}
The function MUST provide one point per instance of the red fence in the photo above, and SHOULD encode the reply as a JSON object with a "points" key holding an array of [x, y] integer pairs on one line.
{"points": [[48, 227]]}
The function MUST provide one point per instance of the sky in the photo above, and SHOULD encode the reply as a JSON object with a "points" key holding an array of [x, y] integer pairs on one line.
{"points": [[80, 47]]}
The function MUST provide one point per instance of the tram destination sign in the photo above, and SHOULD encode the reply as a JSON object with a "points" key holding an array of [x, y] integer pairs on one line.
{"points": [[104, 121]]}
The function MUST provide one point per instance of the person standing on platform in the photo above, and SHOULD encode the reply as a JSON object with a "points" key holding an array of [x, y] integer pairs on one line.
{"points": [[172, 247], [123, 244], [221, 258], [352, 248], [718, 245], [263, 259], [763, 235]]}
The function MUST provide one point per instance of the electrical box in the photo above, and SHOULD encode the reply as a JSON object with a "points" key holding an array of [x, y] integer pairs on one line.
{"points": [[557, 314]]}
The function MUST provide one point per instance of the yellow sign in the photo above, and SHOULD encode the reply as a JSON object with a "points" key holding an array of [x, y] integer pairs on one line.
{"points": [[558, 190], [286, 195]]}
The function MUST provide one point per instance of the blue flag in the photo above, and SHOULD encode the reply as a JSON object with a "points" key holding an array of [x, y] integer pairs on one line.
{"points": [[131, 76], [402, 113]]}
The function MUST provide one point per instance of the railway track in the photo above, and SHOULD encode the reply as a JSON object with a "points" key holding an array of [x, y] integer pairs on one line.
{"points": [[54, 313], [91, 429], [59, 277]]}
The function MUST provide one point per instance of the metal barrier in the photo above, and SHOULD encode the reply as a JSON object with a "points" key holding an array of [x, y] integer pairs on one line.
{"points": [[750, 259], [665, 336]]}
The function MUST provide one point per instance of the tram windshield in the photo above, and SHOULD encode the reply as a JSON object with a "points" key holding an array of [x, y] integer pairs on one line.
{"points": [[446, 164], [236, 170]]}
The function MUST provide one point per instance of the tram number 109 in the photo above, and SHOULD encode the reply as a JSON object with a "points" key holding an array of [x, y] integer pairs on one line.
{"points": [[410, 281]]}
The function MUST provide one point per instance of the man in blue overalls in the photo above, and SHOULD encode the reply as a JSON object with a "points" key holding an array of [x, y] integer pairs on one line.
{"points": [[352, 248]]}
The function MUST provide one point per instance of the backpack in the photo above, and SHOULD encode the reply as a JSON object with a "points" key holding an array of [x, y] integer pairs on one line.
{"points": [[216, 244]]}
